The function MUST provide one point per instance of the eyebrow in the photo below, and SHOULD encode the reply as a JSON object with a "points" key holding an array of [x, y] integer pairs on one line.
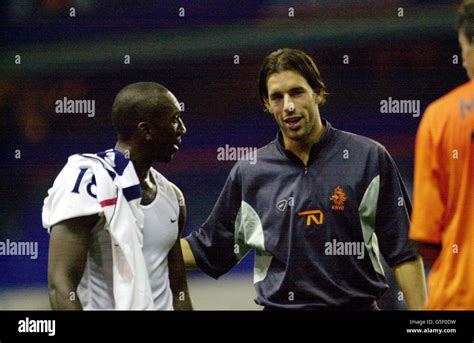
{"points": [[294, 89], [297, 89]]}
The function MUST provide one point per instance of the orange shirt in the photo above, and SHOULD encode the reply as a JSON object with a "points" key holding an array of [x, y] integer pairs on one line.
{"points": [[443, 197]]}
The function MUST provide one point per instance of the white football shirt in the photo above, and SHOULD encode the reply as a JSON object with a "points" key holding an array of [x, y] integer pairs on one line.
{"points": [[160, 234]]}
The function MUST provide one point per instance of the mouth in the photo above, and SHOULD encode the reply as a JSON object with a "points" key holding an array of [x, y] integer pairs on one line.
{"points": [[293, 123]]}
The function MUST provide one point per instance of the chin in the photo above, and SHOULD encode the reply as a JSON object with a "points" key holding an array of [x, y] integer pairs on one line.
{"points": [[295, 135]]}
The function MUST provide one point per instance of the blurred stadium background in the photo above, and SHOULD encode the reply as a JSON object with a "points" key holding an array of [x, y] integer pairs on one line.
{"points": [[82, 57]]}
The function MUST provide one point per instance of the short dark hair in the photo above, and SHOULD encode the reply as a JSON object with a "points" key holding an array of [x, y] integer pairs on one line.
{"points": [[141, 101], [295, 60], [465, 19]]}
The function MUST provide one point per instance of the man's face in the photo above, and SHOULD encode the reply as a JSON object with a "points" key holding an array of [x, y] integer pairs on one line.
{"points": [[467, 54], [169, 130], [293, 103]]}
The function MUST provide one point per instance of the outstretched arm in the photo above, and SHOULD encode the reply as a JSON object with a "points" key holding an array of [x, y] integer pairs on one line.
{"points": [[188, 256], [410, 276]]}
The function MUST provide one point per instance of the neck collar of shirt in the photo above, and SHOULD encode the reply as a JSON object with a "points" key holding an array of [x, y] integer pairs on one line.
{"points": [[325, 138]]}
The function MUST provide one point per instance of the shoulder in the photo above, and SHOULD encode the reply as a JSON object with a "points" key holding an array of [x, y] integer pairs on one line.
{"points": [[455, 95], [72, 194], [452, 102], [170, 186], [446, 114], [179, 194], [75, 170], [255, 160], [268, 151], [367, 152], [360, 143]]}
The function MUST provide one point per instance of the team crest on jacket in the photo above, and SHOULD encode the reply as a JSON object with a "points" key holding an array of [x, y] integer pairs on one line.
{"points": [[338, 198]]}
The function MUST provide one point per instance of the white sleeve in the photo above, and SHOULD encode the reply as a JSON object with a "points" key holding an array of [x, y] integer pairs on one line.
{"points": [[73, 195]]}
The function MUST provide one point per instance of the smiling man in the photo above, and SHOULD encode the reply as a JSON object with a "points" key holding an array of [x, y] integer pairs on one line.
{"points": [[312, 186], [115, 222]]}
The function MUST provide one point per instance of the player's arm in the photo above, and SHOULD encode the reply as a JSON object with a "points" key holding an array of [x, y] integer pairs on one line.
{"points": [[392, 225], [68, 247], [410, 277], [212, 247], [177, 272], [188, 256]]}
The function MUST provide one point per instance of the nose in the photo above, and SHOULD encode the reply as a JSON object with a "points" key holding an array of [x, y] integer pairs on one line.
{"points": [[288, 105], [181, 128]]}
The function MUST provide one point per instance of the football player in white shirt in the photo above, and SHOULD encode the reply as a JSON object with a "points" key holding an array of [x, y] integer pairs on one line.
{"points": [[148, 121]]}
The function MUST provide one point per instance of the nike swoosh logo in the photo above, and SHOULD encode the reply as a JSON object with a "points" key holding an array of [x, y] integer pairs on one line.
{"points": [[172, 220]]}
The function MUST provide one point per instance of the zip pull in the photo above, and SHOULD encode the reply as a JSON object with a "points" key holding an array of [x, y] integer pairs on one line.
{"points": [[305, 170]]}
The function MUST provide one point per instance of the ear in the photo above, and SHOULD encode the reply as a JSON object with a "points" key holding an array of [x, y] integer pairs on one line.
{"points": [[318, 98], [144, 130], [267, 106]]}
